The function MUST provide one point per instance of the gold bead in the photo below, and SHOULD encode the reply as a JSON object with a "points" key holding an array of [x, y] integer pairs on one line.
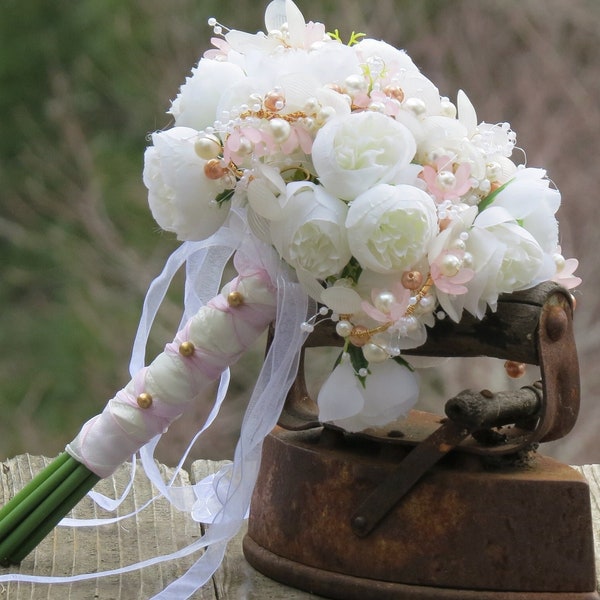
{"points": [[235, 299], [514, 369], [394, 91], [412, 280], [187, 349], [359, 336], [274, 101], [144, 400], [214, 169]]}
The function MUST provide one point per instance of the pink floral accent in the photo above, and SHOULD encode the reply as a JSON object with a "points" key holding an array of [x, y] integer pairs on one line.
{"points": [[454, 284], [313, 34], [299, 137], [461, 186], [391, 107], [565, 276], [397, 309], [262, 144], [222, 50]]}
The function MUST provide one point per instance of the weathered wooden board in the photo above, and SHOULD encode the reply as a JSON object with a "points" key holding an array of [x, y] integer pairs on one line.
{"points": [[159, 529]]}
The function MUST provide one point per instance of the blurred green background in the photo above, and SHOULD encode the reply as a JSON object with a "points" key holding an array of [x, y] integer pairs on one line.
{"points": [[83, 83]]}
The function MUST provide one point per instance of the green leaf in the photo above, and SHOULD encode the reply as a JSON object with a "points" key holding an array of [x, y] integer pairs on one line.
{"points": [[352, 270], [224, 196], [402, 362], [489, 199], [335, 35], [358, 361]]}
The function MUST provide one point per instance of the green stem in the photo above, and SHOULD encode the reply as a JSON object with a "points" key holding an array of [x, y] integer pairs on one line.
{"points": [[32, 485], [33, 494], [54, 518], [47, 506]]}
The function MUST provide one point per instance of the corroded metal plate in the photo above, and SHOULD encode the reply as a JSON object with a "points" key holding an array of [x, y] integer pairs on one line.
{"points": [[463, 531]]}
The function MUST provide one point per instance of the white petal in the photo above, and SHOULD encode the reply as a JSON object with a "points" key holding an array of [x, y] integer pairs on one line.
{"points": [[340, 397], [262, 200], [341, 300], [296, 24], [391, 388], [275, 15], [466, 113]]}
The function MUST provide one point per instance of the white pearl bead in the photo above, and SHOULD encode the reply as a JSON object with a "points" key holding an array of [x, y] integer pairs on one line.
{"points": [[343, 328], [311, 106], [246, 147], [384, 301], [446, 179], [458, 244], [207, 147], [409, 323], [377, 107], [485, 186], [280, 129], [451, 265], [426, 302], [374, 353], [467, 260]]}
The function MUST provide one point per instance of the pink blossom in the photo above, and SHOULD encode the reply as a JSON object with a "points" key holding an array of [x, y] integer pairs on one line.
{"points": [[565, 276], [314, 33], [451, 284], [262, 144], [222, 50], [452, 189], [299, 137], [396, 310]]}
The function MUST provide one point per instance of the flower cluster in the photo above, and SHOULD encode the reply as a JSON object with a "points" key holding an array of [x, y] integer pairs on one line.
{"points": [[393, 205]]}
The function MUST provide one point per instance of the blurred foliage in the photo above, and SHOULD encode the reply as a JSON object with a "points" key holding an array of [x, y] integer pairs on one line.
{"points": [[83, 83]]}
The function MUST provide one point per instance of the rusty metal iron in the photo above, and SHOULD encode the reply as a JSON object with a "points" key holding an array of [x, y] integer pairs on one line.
{"points": [[463, 532], [412, 511]]}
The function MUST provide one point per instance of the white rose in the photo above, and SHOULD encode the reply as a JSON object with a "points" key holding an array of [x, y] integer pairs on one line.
{"points": [[180, 196], [390, 227], [530, 201], [310, 233], [198, 98], [355, 152], [519, 261]]}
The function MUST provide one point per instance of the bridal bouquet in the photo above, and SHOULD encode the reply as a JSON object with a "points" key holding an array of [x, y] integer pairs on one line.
{"points": [[393, 205], [350, 190]]}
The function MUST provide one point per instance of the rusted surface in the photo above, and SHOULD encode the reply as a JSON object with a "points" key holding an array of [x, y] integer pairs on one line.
{"points": [[460, 528], [382, 499], [348, 587], [367, 516]]}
